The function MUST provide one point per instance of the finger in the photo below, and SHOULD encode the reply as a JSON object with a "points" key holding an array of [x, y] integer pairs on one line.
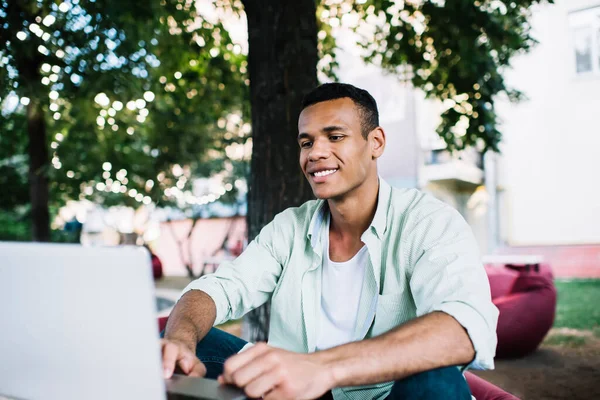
{"points": [[193, 367], [198, 369], [233, 363], [255, 368], [264, 385], [186, 362], [170, 352], [189, 363]]}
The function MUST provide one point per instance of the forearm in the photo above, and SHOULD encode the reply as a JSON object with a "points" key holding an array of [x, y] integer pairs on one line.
{"points": [[191, 319], [433, 341]]}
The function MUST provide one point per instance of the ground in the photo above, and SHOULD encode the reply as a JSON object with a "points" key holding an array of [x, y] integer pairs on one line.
{"points": [[567, 364], [569, 369]]}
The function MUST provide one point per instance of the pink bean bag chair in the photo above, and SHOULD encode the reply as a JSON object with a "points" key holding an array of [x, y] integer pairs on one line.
{"points": [[526, 299], [483, 390]]}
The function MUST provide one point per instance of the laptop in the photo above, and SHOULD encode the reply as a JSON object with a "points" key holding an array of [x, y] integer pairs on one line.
{"points": [[80, 323]]}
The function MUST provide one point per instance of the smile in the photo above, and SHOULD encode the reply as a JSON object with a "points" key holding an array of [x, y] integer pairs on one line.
{"points": [[324, 173]]}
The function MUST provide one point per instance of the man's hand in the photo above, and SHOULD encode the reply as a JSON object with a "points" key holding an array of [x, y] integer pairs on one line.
{"points": [[176, 353], [270, 373]]}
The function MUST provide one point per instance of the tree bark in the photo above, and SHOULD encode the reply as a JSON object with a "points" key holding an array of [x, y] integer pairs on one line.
{"points": [[38, 172], [28, 62], [282, 64]]}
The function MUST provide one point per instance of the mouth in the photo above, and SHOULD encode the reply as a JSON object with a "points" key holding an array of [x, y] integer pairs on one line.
{"points": [[322, 175]]}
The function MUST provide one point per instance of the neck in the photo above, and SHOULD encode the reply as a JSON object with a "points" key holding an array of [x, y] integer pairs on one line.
{"points": [[352, 215]]}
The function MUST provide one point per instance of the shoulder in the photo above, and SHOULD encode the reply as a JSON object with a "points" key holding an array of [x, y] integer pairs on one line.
{"points": [[299, 214], [294, 219], [298, 217], [421, 212], [414, 201]]}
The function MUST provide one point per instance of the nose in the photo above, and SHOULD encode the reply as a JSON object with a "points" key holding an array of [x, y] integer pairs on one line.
{"points": [[319, 150]]}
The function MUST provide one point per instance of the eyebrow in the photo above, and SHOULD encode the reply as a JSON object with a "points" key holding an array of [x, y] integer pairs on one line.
{"points": [[327, 129]]}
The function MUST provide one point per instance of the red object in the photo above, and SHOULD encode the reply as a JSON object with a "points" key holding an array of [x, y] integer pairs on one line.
{"points": [[526, 299], [502, 280], [162, 323], [157, 271], [237, 249], [483, 390]]}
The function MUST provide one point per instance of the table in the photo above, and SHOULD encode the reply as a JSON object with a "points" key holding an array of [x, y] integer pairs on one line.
{"points": [[527, 261]]}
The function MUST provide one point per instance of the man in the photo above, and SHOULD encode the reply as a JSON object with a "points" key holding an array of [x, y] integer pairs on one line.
{"points": [[375, 291]]}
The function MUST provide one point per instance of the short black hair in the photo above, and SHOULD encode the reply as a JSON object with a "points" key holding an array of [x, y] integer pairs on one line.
{"points": [[366, 104]]}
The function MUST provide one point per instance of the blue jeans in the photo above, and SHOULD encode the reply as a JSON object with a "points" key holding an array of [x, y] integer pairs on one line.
{"points": [[437, 384]]}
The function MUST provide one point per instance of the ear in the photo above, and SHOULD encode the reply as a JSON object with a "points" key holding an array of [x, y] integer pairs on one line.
{"points": [[377, 142]]}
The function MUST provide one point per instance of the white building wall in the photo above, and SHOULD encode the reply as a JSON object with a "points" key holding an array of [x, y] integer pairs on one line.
{"points": [[550, 168]]}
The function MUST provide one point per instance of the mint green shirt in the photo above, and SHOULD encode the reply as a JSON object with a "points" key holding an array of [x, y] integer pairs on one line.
{"points": [[423, 257]]}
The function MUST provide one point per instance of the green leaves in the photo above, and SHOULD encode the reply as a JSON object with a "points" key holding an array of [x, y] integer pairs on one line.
{"points": [[160, 90], [137, 85], [456, 52]]}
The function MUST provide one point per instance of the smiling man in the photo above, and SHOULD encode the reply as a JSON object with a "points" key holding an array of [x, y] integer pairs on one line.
{"points": [[376, 292]]}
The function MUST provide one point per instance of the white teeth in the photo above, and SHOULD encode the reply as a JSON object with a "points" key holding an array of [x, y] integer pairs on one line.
{"points": [[325, 173]]}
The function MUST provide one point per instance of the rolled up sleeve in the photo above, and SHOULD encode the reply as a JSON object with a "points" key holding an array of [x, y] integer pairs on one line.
{"points": [[247, 282], [446, 274]]}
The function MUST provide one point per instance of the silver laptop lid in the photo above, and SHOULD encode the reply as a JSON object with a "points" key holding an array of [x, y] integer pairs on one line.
{"points": [[78, 323]]}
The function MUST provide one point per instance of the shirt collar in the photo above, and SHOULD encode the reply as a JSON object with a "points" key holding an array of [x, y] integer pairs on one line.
{"points": [[379, 223]]}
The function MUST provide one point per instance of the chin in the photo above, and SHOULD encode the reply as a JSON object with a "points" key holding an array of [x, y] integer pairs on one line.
{"points": [[325, 194]]}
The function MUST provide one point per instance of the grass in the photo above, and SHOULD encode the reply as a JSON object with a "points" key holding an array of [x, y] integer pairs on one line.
{"points": [[577, 308], [578, 305], [565, 340]]}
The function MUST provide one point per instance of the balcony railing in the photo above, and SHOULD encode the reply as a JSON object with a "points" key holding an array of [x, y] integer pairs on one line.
{"points": [[464, 168]]}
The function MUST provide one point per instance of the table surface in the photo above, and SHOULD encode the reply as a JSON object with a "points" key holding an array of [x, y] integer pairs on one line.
{"points": [[514, 259]]}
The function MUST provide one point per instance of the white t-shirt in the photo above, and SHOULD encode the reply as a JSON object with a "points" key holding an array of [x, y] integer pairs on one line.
{"points": [[340, 295]]}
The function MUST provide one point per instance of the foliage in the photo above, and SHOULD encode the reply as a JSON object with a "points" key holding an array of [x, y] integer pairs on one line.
{"points": [[455, 51], [14, 225], [139, 98], [130, 90]]}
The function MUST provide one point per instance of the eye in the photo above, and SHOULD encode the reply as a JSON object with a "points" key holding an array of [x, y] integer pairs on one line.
{"points": [[306, 144], [336, 138]]}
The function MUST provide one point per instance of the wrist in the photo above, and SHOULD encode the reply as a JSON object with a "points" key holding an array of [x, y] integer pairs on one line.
{"points": [[329, 367], [190, 343]]}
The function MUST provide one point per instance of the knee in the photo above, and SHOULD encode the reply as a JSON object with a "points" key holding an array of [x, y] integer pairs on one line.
{"points": [[215, 348], [220, 342], [437, 384]]}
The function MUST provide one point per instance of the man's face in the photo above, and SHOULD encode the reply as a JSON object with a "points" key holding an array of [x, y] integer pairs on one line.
{"points": [[334, 156]]}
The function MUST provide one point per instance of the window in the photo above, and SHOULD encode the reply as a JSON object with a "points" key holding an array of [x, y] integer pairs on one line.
{"points": [[583, 49], [585, 31]]}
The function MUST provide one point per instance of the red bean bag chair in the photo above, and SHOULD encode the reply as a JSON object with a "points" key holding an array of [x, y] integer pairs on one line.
{"points": [[481, 389], [157, 270], [162, 323], [526, 299], [502, 280]]}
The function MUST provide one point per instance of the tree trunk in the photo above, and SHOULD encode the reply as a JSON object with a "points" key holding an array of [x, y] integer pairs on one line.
{"points": [[38, 172], [282, 63], [28, 62]]}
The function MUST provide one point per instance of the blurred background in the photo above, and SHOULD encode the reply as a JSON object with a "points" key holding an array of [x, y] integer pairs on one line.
{"points": [[173, 125]]}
